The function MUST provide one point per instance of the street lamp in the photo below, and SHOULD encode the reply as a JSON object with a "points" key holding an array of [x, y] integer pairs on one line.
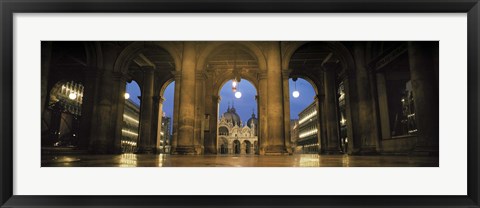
{"points": [[238, 94], [72, 96], [295, 93]]}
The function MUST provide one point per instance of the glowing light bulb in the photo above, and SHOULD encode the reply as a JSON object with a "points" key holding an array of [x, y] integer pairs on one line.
{"points": [[234, 84], [296, 94], [72, 96], [127, 96], [238, 94]]}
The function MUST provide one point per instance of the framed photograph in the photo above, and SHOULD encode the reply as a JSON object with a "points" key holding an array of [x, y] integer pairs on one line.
{"points": [[239, 104]]}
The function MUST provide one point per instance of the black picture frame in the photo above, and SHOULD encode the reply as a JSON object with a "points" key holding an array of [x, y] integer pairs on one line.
{"points": [[10, 7]]}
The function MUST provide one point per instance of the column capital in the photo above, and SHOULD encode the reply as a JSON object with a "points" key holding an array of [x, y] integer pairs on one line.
{"points": [[286, 73], [200, 75], [147, 68], [319, 97], [262, 75], [177, 75], [217, 98], [329, 66], [158, 99]]}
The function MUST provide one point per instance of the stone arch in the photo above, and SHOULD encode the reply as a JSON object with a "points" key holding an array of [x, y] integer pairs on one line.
{"points": [[338, 48], [249, 47], [94, 54], [134, 48], [315, 83], [165, 85], [220, 83], [222, 130]]}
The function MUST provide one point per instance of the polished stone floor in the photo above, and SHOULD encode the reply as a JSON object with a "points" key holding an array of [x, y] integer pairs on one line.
{"points": [[298, 160]]}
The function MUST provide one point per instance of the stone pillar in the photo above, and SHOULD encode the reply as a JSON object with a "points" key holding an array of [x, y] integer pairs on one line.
{"points": [[103, 125], [185, 138], [199, 139], [46, 57], [321, 133], [158, 100], [331, 117], [286, 110], [92, 78], [176, 109], [118, 106], [367, 134], [276, 134], [213, 146], [146, 111], [262, 113], [423, 75]]}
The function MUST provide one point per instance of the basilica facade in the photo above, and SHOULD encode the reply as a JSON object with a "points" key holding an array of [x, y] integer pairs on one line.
{"points": [[236, 137]]}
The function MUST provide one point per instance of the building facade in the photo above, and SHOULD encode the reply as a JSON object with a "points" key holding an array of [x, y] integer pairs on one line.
{"points": [[166, 135], [130, 127], [235, 137], [294, 135], [308, 130]]}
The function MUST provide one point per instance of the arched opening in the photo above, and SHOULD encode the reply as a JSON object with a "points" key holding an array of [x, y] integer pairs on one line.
{"points": [[61, 118], [304, 117], [238, 119], [151, 66], [223, 145], [323, 67], [248, 147], [166, 119], [63, 83], [228, 67], [131, 118], [236, 147]]}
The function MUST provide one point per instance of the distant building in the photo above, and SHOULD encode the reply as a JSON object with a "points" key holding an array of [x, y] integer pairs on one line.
{"points": [[308, 130], [235, 137], [61, 118], [294, 133], [131, 116], [165, 134]]}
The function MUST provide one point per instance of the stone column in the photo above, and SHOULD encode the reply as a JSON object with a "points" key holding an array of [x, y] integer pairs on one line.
{"points": [[214, 147], [199, 140], [262, 113], [176, 109], [321, 133], [423, 71], [92, 77], [158, 100], [46, 56], [276, 134], [331, 117], [103, 125], [185, 138], [118, 106], [146, 111], [366, 136], [286, 110]]}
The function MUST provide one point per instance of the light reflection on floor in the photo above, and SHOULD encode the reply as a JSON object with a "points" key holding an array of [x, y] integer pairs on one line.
{"points": [[300, 160]]}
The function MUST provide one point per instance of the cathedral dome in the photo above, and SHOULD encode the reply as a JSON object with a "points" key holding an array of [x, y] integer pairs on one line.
{"points": [[231, 116], [253, 120]]}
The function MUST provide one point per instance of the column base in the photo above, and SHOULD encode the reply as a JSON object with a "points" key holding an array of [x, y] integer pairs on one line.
{"points": [[371, 150], [331, 152], [276, 150], [145, 151], [186, 150], [425, 151]]}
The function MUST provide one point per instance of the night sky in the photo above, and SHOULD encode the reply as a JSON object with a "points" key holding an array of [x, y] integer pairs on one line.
{"points": [[243, 105]]}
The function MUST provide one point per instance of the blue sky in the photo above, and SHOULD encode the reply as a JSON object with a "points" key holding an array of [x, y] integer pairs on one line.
{"points": [[243, 105]]}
